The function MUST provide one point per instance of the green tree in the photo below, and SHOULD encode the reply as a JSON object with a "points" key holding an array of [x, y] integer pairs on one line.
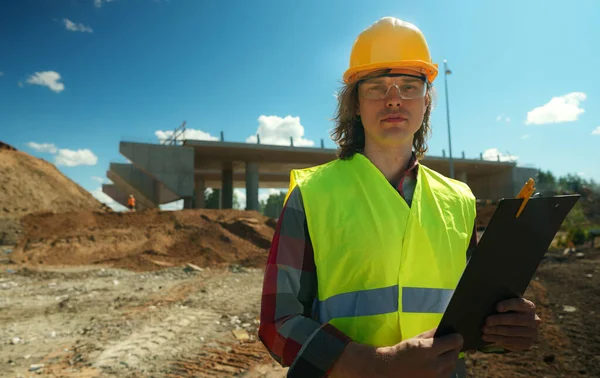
{"points": [[212, 199], [273, 205], [572, 184], [546, 183]]}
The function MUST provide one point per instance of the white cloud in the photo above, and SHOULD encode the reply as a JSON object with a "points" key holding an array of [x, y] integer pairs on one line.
{"points": [[50, 79], [70, 25], [98, 3], [277, 130], [493, 153], [597, 131], [98, 179], [263, 196], [191, 134], [557, 110], [20, 84], [72, 158], [526, 136], [69, 158], [501, 117], [43, 147], [1, 73]]}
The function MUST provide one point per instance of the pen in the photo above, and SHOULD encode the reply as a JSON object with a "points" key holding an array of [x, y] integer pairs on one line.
{"points": [[525, 193]]}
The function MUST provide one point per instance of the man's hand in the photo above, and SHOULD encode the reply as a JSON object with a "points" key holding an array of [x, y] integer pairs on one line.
{"points": [[515, 328], [422, 356]]}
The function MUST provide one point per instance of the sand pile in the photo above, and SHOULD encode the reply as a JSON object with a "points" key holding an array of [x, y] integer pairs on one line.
{"points": [[29, 185], [146, 240]]}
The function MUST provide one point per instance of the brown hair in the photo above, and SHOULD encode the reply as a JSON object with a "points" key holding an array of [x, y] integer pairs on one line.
{"points": [[349, 132]]}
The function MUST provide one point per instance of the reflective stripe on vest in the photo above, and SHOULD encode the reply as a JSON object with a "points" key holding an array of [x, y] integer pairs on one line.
{"points": [[383, 301]]}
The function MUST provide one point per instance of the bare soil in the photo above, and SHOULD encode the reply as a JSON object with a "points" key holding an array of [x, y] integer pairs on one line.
{"points": [[146, 240], [29, 185], [84, 321], [90, 321], [569, 338]]}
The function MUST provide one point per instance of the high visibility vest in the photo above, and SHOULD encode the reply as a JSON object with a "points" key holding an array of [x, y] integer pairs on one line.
{"points": [[385, 271]]}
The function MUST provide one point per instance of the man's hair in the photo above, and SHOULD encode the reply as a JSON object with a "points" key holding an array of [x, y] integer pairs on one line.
{"points": [[349, 132]]}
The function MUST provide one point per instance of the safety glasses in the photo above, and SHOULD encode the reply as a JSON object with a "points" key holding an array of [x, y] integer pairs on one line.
{"points": [[408, 86]]}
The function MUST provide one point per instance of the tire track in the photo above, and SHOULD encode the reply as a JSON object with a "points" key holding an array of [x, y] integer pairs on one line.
{"points": [[231, 360], [162, 338]]}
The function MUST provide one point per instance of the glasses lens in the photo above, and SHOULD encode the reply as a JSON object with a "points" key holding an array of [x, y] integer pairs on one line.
{"points": [[408, 88]]}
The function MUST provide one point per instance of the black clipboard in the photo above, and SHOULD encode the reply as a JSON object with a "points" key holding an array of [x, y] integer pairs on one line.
{"points": [[503, 264]]}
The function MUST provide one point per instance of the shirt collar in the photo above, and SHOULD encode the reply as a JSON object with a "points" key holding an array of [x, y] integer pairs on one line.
{"points": [[411, 170], [412, 166]]}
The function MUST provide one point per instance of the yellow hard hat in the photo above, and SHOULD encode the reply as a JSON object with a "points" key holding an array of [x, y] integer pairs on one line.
{"points": [[390, 43]]}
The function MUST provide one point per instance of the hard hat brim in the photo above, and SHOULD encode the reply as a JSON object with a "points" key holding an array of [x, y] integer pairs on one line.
{"points": [[430, 70]]}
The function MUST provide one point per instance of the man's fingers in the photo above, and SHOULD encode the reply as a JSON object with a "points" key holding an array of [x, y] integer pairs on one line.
{"points": [[512, 331], [447, 343], [515, 319], [516, 304]]}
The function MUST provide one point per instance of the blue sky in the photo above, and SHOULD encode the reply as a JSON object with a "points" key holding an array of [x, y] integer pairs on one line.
{"points": [[78, 76]]}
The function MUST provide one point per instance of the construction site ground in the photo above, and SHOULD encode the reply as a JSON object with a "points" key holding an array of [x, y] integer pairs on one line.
{"points": [[140, 311]]}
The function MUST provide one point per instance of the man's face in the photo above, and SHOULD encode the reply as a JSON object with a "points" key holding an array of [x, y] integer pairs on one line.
{"points": [[388, 118]]}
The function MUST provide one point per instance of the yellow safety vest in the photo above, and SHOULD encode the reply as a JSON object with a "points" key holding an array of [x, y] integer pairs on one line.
{"points": [[385, 271]]}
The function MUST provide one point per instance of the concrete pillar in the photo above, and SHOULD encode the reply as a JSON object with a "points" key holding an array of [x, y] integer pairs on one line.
{"points": [[199, 188], [462, 176], [227, 187], [515, 188], [252, 186]]}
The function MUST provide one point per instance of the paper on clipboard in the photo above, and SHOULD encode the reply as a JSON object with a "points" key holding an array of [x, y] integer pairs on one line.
{"points": [[503, 263]]}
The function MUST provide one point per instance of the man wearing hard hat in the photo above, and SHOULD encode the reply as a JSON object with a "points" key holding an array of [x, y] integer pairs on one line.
{"points": [[369, 246]]}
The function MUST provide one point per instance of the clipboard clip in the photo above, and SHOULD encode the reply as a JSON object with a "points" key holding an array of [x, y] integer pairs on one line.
{"points": [[525, 193]]}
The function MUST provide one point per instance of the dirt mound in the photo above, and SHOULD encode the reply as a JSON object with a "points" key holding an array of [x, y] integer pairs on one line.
{"points": [[4, 146], [145, 240], [566, 294], [29, 184]]}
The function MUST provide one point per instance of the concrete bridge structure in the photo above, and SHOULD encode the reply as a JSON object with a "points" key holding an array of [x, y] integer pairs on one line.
{"points": [[160, 173]]}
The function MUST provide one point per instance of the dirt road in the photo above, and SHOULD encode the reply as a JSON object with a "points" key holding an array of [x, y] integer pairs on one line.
{"points": [[88, 322], [85, 321]]}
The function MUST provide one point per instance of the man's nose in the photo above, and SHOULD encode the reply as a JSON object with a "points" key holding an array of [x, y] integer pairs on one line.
{"points": [[393, 99]]}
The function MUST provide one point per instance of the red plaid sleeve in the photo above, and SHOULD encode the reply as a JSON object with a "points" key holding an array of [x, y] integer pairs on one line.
{"points": [[289, 328]]}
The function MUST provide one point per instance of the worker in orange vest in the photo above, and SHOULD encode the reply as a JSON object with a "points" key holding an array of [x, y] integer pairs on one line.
{"points": [[131, 202]]}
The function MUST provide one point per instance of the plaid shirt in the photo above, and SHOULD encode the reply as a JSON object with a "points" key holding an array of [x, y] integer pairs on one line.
{"points": [[288, 326]]}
